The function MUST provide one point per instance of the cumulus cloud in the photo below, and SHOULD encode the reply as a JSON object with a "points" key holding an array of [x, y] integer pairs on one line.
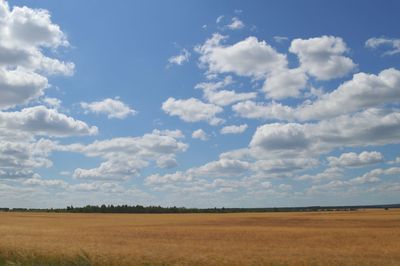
{"points": [[374, 175], [167, 178], [200, 134], [283, 165], [26, 33], [53, 183], [167, 161], [214, 86], [193, 110], [181, 58], [233, 129], [20, 87], [281, 136], [250, 57], [20, 159], [229, 174], [379, 171], [362, 91], [236, 24], [113, 108], [52, 102], [213, 93], [222, 168], [375, 43], [112, 169], [332, 173], [227, 97], [215, 169], [124, 158], [256, 110], [40, 120], [352, 159], [370, 127], [323, 57], [364, 179], [395, 161], [285, 83], [28, 46]]}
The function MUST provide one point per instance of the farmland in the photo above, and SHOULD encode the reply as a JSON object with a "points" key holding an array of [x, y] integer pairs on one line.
{"points": [[364, 237]]}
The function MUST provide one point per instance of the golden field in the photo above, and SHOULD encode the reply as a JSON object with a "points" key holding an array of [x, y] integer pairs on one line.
{"points": [[364, 237]]}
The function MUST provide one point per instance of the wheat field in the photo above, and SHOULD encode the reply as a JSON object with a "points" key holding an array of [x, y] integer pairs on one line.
{"points": [[364, 237]]}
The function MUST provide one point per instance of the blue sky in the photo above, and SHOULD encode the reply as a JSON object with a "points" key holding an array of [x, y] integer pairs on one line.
{"points": [[199, 103]]}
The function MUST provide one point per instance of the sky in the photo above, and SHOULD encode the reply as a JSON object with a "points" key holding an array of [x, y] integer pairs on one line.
{"points": [[199, 103]]}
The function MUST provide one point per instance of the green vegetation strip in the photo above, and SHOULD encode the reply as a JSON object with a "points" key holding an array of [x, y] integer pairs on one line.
{"points": [[24, 258]]}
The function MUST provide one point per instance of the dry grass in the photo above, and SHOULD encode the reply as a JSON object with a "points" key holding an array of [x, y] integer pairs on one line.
{"points": [[367, 237]]}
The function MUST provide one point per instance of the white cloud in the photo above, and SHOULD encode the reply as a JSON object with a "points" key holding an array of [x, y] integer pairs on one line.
{"points": [[222, 168], [280, 39], [370, 127], [322, 57], [328, 174], [65, 173], [167, 178], [193, 110], [219, 19], [215, 169], [227, 97], [181, 58], [113, 108], [395, 161], [249, 57], [112, 169], [276, 136], [213, 94], [236, 24], [34, 27], [20, 159], [285, 187], [26, 36], [214, 86], [200, 134], [362, 91], [37, 181], [365, 179], [233, 129], [283, 165], [252, 174], [352, 159], [328, 187], [52, 102], [379, 171], [253, 110], [286, 83], [40, 120], [167, 161], [124, 158], [267, 185], [20, 87], [375, 43], [28, 44], [374, 175]]}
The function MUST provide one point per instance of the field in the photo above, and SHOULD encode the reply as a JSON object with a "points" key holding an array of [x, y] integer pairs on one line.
{"points": [[365, 237]]}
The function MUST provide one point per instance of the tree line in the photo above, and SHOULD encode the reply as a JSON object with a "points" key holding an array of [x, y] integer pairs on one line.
{"points": [[158, 209]]}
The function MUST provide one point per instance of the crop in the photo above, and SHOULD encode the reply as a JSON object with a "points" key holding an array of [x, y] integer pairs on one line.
{"points": [[365, 237]]}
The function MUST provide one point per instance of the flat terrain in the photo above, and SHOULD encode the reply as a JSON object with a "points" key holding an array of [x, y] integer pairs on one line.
{"points": [[365, 237]]}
